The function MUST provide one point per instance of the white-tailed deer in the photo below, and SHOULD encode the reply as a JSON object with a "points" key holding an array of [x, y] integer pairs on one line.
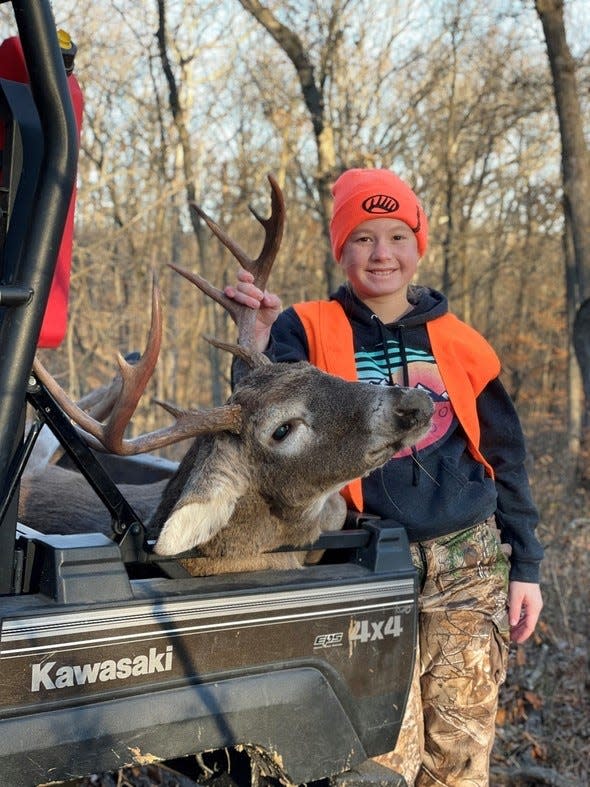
{"points": [[265, 469]]}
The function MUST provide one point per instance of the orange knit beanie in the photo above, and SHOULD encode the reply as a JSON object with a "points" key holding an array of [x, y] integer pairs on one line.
{"points": [[365, 194]]}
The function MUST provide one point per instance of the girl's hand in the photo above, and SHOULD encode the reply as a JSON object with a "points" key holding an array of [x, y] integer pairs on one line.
{"points": [[524, 607], [267, 303]]}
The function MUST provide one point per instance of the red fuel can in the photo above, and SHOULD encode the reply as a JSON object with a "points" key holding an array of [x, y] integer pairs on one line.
{"points": [[13, 67]]}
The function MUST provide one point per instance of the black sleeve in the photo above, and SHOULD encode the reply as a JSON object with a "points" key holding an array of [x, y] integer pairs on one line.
{"points": [[288, 341], [503, 445]]}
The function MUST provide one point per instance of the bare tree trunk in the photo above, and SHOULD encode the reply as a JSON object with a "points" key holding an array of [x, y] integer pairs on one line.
{"points": [[576, 192], [448, 244], [313, 96], [581, 343], [189, 174]]}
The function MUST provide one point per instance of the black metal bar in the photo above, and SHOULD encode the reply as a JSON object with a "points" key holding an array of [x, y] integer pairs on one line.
{"points": [[340, 539], [20, 325], [12, 478], [14, 295], [336, 539], [123, 516]]}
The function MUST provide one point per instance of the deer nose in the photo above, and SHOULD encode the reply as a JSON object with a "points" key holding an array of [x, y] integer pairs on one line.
{"points": [[415, 406]]}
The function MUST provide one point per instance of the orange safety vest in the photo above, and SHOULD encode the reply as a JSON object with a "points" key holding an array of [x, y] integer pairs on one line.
{"points": [[465, 360]]}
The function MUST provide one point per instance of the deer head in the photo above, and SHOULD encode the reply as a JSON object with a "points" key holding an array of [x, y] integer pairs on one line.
{"points": [[265, 469], [304, 435]]}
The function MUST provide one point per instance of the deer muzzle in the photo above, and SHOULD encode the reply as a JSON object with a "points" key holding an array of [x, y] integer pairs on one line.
{"points": [[407, 413]]}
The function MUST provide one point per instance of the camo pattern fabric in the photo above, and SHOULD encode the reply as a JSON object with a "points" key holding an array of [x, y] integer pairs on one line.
{"points": [[449, 724]]}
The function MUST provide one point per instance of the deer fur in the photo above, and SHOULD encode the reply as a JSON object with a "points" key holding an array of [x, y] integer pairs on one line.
{"points": [[305, 434], [56, 500]]}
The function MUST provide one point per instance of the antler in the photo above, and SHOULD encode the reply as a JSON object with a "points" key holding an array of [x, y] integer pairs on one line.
{"points": [[124, 397], [243, 316], [134, 377]]}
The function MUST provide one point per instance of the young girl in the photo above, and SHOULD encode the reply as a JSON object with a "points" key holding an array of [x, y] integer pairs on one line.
{"points": [[459, 492]]}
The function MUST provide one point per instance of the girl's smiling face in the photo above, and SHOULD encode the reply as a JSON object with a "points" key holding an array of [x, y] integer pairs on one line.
{"points": [[380, 258]]}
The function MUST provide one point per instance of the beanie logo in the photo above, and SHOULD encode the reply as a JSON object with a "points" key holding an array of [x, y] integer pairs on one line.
{"points": [[380, 203]]}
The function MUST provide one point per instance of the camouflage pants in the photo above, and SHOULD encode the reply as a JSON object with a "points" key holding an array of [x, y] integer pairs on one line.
{"points": [[448, 728]]}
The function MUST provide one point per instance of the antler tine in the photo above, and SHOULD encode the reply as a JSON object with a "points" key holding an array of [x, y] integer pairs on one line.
{"points": [[100, 401], [249, 355], [260, 268], [234, 309], [134, 378], [109, 435], [273, 228], [273, 234]]}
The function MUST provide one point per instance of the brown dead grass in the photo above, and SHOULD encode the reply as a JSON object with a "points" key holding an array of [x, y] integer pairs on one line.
{"points": [[543, 723]]}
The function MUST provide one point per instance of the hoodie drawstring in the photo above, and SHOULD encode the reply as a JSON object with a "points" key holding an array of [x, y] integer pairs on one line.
{"points": [[405, 379]]}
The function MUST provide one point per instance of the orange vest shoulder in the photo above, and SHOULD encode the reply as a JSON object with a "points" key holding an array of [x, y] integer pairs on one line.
{"points": [[467, 363], [329, 337]]}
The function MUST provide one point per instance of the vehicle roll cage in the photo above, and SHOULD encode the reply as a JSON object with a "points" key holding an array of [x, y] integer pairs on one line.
{"points": [[27, 268]]}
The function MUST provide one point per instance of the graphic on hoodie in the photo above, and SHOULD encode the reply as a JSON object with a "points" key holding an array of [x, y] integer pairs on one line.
{"points": [[414, 369]]}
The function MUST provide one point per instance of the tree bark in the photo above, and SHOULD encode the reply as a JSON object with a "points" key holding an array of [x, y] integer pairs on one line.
{"points": [[189, 175], [313, 96], [575, 159], [581, 343]]}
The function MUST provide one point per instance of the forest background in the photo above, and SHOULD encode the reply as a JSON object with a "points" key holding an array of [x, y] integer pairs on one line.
{"points": [[196, 100]]}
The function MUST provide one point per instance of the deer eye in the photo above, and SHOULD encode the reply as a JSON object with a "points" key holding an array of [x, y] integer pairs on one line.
{"points": [[281, 432]]}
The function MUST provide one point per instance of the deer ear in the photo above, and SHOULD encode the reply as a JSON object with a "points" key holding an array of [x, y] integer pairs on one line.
{"points": [[207, 502]]}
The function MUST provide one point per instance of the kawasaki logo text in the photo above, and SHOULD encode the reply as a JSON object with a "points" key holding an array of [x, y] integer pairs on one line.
{"points": [[46, 676]]}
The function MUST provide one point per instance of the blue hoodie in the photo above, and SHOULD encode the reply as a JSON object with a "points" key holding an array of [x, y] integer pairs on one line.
{"points": [[437, 487]]}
